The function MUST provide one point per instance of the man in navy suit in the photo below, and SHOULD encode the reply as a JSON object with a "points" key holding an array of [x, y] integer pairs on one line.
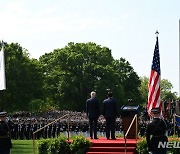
{"points": [[110, 114], [93, 112]]}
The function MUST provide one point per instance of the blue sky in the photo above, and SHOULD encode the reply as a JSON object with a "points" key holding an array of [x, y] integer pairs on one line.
{"points": [[127, 27]]}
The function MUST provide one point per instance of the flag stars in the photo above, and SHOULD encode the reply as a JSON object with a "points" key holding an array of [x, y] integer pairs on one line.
{"points": [[156, 59]]}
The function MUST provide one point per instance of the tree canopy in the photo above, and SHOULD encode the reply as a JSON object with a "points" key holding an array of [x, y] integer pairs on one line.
{"points": [[64, 78], [75, 70], [166, 88], [23, 78]]}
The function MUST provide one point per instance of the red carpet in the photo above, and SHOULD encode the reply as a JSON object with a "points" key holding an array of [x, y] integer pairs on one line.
{"points": [[104, 146]]}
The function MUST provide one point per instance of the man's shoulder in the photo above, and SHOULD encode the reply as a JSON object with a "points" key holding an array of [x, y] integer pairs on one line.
{"points": [[153, 122], [4, 124], [92, 100], [88, 100], [106, 100], [150, 125], [110, 100]]}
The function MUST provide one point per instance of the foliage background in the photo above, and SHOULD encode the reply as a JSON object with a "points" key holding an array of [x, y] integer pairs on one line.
{"points": [[64, 78]]}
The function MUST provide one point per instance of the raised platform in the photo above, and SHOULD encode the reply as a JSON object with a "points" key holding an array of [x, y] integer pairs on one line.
{"points": [[104, 146]]}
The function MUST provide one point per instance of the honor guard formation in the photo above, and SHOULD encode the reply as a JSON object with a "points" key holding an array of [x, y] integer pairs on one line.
{"points": [[23, 124]]}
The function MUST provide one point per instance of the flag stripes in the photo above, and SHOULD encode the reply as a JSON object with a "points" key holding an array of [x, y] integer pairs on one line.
{"points": [[154, 82]]}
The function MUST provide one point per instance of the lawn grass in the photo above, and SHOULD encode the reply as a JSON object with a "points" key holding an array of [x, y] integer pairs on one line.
{"points": [[22, 147]]}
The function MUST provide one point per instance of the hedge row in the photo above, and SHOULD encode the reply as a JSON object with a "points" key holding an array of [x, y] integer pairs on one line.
{"points": [[59, 145], [142, 146]]}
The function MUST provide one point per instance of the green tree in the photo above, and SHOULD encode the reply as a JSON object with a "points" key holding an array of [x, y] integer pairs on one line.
{"points": [[144, 89], [65, 77], [75, 70], [166, 90], [23, 78], [129, 80]]}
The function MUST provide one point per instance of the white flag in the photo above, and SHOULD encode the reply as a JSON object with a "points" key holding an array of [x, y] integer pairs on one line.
{"points": [[2, 70]]}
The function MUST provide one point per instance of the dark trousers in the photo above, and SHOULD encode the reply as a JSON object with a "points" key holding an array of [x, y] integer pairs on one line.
{"points": [[4, 151], [93, 127], [110, 127]]}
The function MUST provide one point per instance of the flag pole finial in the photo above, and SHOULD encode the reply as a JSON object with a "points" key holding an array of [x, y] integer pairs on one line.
{"points": [[2, 42], [157, 33]]}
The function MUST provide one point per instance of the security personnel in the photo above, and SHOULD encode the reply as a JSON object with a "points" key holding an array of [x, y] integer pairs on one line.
{"points": [[157, 129], [93, 112], [5, 140], [110, 114]]}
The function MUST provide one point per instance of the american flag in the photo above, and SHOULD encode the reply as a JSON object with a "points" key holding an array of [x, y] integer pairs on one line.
{"points": [[154, 81]]}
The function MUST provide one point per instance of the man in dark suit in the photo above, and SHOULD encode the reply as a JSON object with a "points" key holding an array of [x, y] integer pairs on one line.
{"points": [[110, 114], [155, 133], [93, 112], [5, 140]]}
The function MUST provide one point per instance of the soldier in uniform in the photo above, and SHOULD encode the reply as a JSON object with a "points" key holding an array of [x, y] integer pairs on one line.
{"points": [[155, 133], [5, 140]]}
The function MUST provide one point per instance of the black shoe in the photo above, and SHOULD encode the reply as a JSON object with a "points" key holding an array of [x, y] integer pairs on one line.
{"points": [[91, 137], [113, 139], [108, 138], [96, 138]]}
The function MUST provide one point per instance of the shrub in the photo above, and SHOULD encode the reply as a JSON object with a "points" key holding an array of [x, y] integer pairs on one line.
{"points": [[59, 146], [43, 146], [53, 146], [174, 150], [142, 147], [79, 145]]}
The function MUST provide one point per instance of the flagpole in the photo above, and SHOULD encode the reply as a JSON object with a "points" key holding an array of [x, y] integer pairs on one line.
{"points": [[179, 57], [157, 33]]}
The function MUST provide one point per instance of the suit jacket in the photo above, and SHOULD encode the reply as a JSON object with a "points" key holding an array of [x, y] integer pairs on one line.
{"points": [[92, 108], [109, 108]]}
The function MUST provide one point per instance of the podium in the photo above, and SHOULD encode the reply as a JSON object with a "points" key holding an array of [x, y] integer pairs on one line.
{"points": [[127, 114]]}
